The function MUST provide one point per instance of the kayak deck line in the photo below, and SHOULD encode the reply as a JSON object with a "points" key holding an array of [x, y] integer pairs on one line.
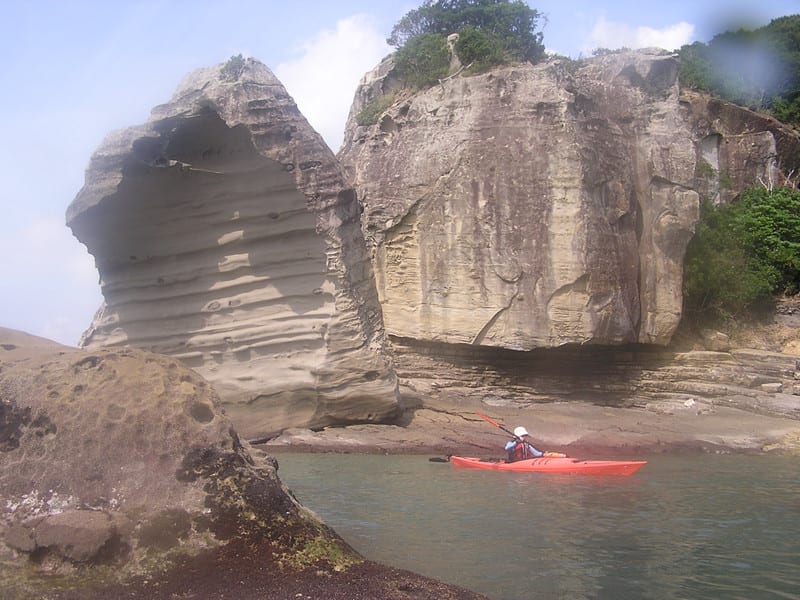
{"points": [[552, 465]]}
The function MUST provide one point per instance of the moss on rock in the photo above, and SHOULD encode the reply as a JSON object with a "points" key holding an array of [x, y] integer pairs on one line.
{"points": [[126, 481]]}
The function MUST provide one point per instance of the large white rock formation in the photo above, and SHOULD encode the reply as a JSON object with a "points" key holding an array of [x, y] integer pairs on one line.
{"points": [[225, 234], [539, 205]]}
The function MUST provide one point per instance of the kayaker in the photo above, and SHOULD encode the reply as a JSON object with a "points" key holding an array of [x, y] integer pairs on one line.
{"points": [[520, 448]]}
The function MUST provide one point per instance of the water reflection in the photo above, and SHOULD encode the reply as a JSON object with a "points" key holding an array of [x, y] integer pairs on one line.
{"points": [[700, 527]]}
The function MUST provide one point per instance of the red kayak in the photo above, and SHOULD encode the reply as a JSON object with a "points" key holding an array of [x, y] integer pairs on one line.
{"points": [[553, 465]]}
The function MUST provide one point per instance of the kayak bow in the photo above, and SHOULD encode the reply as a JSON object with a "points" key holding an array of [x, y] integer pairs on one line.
{"points": [[553, 465]]}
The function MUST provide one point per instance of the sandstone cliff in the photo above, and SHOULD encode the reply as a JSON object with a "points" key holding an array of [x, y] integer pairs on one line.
{"points": [[547, 205], [225, 235], [528, 208]]}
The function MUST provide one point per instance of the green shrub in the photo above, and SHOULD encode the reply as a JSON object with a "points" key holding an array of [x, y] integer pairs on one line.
{"points": [[743, 254], [757, 68], [491, 32], [719, 279], [769, 226], [424, 60], [609, 51], [373, 109], [233, 68], [704, 170], [479, 49], [786, 111]]}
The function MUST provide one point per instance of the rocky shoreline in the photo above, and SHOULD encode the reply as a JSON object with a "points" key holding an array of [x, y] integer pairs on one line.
{"points": [[579, 429], [713, 392], [524, 268], [156, 411]]}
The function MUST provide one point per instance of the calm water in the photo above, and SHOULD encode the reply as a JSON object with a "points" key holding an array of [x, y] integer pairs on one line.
{"points": [[682, 527]]}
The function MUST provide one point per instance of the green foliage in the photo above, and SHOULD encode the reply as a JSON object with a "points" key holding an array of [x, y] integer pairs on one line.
{"points": [[477, 48], [494, 31], [696, 67], [373, 109], [718, 279], [758, 68], [570, 65], [743, 253], [423, 60], [414, 23], [785, 110], [704, 169], [233, 68], [769, 225]]}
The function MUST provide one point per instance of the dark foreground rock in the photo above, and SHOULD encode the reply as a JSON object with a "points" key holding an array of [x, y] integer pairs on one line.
{"points": [[121, 478], [244, 575]]}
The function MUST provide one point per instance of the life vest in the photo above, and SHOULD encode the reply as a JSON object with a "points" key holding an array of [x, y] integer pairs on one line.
{"points": [[520, 451]]}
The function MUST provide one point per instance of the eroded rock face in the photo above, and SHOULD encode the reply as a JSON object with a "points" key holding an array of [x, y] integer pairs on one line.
{"points": [[540, 206], [116, 463], [738, 147], [225, 235]]}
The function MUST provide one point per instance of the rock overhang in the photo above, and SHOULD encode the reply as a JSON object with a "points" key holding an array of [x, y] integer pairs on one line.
{"points": [[535, 206], [224, 234]]}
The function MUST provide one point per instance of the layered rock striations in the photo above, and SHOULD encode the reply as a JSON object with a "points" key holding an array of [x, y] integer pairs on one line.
{"points": [[526, 208], [541, 206], [225, 235]]}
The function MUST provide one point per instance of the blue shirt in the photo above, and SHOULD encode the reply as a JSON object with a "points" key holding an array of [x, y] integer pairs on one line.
{"points": [[531, 450]]}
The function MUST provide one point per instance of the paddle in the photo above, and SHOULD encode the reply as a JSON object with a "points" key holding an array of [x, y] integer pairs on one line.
{"points": [[436, 459], [496, 424], [491, 421]]}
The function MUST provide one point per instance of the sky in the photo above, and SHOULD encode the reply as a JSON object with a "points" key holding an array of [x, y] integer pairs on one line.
{"points": [[74, 71]]}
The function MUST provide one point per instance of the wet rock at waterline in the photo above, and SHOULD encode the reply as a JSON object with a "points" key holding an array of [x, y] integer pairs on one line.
{"points": [[225, 235], [120, 477]]}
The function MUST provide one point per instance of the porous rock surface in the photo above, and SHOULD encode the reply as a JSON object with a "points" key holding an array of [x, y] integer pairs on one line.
{"points": [[120, 477], [537, 206], [225, 235]]}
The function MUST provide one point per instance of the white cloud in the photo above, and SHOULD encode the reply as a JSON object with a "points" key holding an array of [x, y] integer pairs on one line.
{"points": [[48, 244], [324, 78], [49, 282], [612, 35]]}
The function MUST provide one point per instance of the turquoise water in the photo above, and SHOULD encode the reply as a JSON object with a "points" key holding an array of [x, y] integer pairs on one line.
{"points": [[700, 527]]}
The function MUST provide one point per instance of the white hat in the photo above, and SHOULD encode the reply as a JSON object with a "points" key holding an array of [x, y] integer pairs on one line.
{"points": [[520, 432]]}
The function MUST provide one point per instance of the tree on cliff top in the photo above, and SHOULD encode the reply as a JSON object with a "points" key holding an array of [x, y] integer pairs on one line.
{"points": [[491, 32], [758, 68]]}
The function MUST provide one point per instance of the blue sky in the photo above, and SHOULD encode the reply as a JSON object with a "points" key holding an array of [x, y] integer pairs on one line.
{"points": [[74, 71]]}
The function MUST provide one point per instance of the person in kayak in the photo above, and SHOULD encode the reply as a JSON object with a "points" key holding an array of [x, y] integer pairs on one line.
{"points": [[520, 448]]}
